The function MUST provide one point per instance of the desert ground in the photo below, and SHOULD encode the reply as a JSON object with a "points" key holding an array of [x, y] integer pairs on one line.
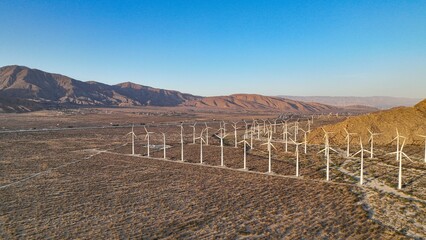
{"points": [[70, 174]]}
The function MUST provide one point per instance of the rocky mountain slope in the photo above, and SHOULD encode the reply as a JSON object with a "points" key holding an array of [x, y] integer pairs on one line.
{"points": [[32, 87], [253, 101], [410, 121]]}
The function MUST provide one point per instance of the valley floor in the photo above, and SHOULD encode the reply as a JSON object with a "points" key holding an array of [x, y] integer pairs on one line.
{"points": [[83, 183]]}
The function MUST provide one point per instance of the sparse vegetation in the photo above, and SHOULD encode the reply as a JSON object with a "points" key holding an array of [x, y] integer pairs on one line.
{"points": [[78, 183]]}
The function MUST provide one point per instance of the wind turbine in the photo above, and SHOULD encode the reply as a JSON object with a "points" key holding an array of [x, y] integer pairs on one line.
{"points": [[424, 136], [348, 140], [361, 152], [257, 127], [372, 142], [207, 134], [275, 125], [264, 125], [285, 134], [193, 132], [296, 129], [234, 125], [309, 125], [181, 142], [397, 144], [401, 153], [224, 127], [269, 145], [164, 145], [269, 131], [201, 146], [147, 138], [269, 128], [221, 137], [251, 136], [245, 151], [246, 129], [305, 139], [326, 139], [132, 133], [297, 156], [326, 150]]}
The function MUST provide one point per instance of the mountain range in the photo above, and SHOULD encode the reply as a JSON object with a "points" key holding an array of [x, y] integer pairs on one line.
{"points": [[25, 89], [248, 102], [381, 102], [32, 87]]}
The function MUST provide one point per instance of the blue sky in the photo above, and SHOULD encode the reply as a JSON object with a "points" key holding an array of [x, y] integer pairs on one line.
{"points": [[212, 47]]}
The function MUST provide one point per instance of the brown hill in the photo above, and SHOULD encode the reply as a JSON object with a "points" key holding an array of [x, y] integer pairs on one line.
{"points": [[152, 96], [410, 122], [251, 102], [31, 86], [381, 102]]}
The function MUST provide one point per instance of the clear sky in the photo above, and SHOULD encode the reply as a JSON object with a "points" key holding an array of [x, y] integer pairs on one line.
{"points": [[212, 47]]}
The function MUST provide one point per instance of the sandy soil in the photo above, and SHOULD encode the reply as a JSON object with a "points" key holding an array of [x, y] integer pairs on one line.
{"points": [[83, 184]]}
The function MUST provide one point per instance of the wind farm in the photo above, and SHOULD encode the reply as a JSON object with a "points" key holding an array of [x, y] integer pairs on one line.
{"points": [[162, 142], [212, 120]]}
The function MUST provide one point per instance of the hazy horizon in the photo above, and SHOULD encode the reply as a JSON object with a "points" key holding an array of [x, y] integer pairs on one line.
{"points": [[211, 48]]}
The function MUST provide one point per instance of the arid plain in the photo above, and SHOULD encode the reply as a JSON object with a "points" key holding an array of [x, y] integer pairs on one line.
{"points": [[59, 180]]}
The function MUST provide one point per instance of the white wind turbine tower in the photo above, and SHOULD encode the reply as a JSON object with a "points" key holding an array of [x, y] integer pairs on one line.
{"points": [[361, 175], [147, 138], [224, 127], [297, 156], [164, 145], [269, 131], [326, 150], [264, 125], [234, 125], [372, 142], [401, 153], [221, 137], [397, 144], [285, 135], [296, 129], [269, 126], [181, 142], [251, 136], [132, 133], [424, 136], [256, 127], [207, 134], [305, 139], [246, 129], [245, 151], [348, 140], [193, 132], [326, 140], [275, 125], [258, 131], [201, 146], [270, 146], [309, 125]]}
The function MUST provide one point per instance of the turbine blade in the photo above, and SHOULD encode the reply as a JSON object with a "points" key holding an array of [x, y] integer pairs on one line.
{"points": [[353, 155], [407, 156], [332, 149]]}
